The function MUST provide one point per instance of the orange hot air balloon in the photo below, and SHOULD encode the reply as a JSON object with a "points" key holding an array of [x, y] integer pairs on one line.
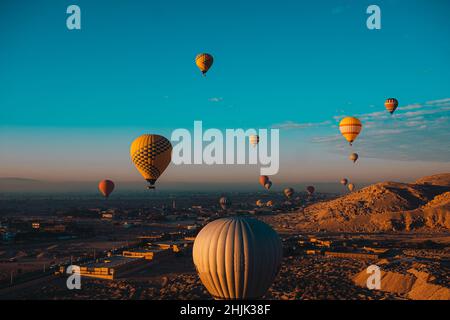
{"points": [[353, 157], [263, 180], [350, 128], [310, 189], [391, 104], [106, 187], [204, 61], [351, 187], [344, 181], [259, 203], [269, 203]]}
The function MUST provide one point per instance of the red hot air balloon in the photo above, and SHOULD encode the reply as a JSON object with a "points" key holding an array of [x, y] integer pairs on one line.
{"points": [[106, 187], [263, 180]]}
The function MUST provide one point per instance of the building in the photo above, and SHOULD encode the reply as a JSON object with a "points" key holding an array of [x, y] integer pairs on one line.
{"points": [[147, 254], [109, 268], [352, 255]]}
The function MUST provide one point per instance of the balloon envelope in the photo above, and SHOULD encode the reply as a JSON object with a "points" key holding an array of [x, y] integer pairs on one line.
{"points": [[237, 257], [353, 157], [351, 187], [269, 203], [225, 202], [391, 104], [254, 139], [106, 187], [263, 180], [151, 154], [268, 185], [344, 181], [350, 128], [204, 61]]}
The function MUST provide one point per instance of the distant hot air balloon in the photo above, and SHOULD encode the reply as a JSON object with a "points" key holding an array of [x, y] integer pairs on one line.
{"points": [[263, 180], [106, 187], [350, 127], [310, 190], [254, 140], [353, 157], [151, 154], [344, 181], [391, 104], [288, 192], [259, 203], [204, 61], [225, 203], [269, 203], [351, 187], [268, 185], [237, 257]]}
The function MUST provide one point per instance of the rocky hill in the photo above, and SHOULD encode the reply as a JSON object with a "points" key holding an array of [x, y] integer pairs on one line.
{"points": [[386, 206]]}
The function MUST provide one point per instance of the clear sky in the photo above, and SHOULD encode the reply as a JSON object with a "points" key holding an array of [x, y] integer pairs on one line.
{"points": [[71, 102]]}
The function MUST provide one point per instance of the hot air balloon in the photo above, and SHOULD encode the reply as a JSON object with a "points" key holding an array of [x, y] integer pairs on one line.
{"points": [[269, 203], [268, 185], [391, 104], [288, 192], [310, 190], [353, 157], [254, 140], [259, 203], [106, 187], [151, 154], [204, 61], [350, 127], [237, 257], [263, 180], [225, 203], [351, 186], [344, 181]]}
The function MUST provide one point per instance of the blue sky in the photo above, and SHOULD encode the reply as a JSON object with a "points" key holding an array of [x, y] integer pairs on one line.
{"points": [[296, 65]]}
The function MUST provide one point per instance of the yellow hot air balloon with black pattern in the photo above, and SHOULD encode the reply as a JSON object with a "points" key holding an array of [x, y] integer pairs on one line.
{"points": [[350, 128], [151, 154], [204, 61]]}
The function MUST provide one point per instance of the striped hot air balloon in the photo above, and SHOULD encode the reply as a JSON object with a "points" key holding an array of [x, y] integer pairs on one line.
{"points": [[254, 140], [391, 104], [350, 128], [237, 257], [204, 61]]}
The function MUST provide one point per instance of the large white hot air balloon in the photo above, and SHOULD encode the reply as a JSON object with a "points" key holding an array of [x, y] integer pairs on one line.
{"points": [[237, 257]]}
